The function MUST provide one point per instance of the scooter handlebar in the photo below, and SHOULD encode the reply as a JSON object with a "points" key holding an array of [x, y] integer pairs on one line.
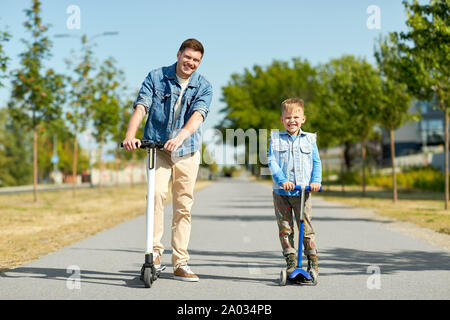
{"points": [[149, 144], [307, 188]]}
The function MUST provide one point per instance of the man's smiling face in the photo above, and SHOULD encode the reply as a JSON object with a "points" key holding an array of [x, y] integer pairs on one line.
{"points": [[187, 62]]}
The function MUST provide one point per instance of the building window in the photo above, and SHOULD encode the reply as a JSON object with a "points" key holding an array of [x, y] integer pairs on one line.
{"points": [[432, 131]]}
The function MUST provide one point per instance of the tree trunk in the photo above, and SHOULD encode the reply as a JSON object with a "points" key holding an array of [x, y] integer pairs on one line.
{"points": [[326, 168], [446, 157], [342, 168], [132, 170], [74, 166], [35, 162], [363, 165], [117, 169], [100, 166], [394, 175]]}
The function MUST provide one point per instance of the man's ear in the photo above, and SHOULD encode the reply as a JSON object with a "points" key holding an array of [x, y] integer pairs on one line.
{"points": [[178, 54]]}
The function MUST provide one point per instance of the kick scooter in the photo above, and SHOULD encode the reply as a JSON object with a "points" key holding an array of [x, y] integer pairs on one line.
{"points": [[299, 276], [149, 273]]}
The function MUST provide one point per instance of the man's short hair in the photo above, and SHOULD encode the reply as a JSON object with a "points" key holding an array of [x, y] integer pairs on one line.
{"points": [[193, 44], [292, 104]]}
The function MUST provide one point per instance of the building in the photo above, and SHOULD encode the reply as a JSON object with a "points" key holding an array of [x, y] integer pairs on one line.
{"points": [[417, 136]]}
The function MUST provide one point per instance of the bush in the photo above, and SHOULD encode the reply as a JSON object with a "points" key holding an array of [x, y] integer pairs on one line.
{"points": [[426, 178], [350, 177]]}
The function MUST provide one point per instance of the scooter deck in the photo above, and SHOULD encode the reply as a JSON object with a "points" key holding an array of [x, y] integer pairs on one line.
{"points": [[301, 277], [299, 273]]}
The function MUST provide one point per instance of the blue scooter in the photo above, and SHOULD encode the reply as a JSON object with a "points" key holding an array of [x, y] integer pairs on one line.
{"points": [[299, 276]]}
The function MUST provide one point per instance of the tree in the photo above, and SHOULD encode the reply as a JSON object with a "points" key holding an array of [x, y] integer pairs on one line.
{"points": [[354, 89], [424, 57], [37, 94], [106, 104], [81, 96], [64, 148], [4, 37], [395, 99], [118, 136], [253, 99], [322, 113], [15, 160]]}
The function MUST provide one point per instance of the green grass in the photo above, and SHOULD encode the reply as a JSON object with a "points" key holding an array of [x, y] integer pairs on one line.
{"points": [[426, 209]]}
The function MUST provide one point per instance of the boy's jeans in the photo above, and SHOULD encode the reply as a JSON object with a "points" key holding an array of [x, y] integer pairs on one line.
{"points": [[183, 172], [284, 205]]}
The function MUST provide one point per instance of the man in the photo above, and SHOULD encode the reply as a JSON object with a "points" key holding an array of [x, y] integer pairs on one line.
{"points": [[177, 100]]}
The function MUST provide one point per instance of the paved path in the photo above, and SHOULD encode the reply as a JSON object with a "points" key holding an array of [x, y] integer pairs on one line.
{"points": [[235, 251]]}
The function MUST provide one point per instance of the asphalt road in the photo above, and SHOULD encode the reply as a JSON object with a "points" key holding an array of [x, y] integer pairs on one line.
{"points": [[235, 251]]}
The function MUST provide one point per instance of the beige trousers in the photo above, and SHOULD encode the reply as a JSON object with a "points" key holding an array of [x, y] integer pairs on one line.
{"points": [[183, 173]]}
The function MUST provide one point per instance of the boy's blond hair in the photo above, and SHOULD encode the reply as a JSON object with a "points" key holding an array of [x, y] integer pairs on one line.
{"points": [[292, 104]]}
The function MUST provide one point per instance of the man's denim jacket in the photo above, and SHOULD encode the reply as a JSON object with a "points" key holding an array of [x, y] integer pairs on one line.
{"points": [[159, 93], [295, 159]]}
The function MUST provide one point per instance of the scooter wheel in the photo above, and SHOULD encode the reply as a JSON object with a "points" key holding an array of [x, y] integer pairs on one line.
{"points": [[283, 277], [148, 277]]}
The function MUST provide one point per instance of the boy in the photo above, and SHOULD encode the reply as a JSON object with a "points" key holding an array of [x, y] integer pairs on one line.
{"points": [[294, 160]]}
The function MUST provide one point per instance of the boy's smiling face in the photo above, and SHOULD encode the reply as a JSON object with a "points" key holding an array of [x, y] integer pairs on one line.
{"points": [[293, 120]]}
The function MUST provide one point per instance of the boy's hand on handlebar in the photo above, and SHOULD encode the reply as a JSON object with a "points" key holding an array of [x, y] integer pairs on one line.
{"points": [[131, 143], [288, 186], [315, 187]]}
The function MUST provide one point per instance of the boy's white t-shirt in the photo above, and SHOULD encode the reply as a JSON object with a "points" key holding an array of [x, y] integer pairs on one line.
{"points": [[183, 83]]}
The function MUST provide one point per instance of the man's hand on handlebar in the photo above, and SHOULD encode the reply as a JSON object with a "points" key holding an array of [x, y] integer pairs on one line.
{"points": [[173, 144], [131, 143]]}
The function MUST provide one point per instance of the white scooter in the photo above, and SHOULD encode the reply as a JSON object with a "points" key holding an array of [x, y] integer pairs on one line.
{"points": [[149, 273]]}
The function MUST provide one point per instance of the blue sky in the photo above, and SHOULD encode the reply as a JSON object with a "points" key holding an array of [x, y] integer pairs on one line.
{"points": [[235, 34]]}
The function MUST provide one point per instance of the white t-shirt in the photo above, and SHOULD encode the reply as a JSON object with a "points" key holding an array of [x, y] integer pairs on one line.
{"points": [[183, 83]]}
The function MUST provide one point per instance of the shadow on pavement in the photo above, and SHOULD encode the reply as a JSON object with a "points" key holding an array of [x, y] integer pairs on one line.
{"points": [[121, 278], [272, 218], [353, 262], [345, 261]]}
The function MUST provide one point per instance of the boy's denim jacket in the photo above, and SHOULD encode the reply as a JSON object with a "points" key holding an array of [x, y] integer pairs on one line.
{"points": [[159, 93], [294, 159]]}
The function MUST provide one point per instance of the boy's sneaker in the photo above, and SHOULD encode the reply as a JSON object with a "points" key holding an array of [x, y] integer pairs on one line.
{"points": [[291, 262], [184, 273], [313, 267]]}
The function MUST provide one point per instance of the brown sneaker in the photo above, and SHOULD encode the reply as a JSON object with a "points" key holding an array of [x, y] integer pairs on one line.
{"points": [[184, 273], [156, 260]]}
